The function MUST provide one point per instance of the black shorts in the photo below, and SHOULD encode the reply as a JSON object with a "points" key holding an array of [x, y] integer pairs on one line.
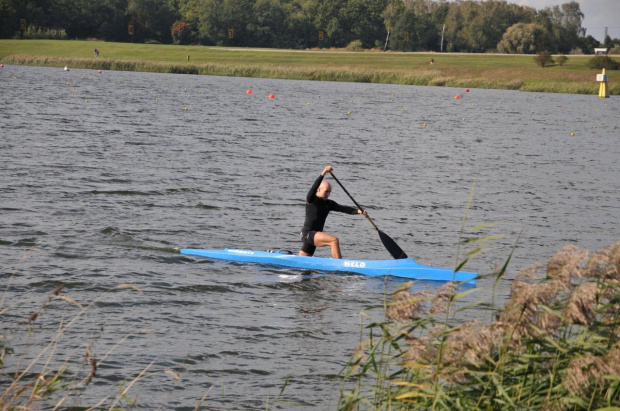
{"points": [[307, 242]]}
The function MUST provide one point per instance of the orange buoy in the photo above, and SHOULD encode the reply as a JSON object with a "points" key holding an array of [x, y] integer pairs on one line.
{"points": [[248, 91], [271, 96], [457, 97]]}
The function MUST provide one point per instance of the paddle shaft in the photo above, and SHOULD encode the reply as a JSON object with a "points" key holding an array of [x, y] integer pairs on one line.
{"points": [[387, 241], [356, 203]]}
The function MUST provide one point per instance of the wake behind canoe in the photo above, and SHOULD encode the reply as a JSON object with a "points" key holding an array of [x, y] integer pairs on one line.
{"points": [[404, 268]]}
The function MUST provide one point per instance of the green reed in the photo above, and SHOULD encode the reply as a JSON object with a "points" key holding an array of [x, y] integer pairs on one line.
{"points": [[554, 345]]}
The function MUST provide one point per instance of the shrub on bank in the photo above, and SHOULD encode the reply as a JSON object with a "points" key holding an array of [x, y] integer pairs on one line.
{"points": [[561, 59], [555, 345], [543, 58], [603, 62], [355, 45]]}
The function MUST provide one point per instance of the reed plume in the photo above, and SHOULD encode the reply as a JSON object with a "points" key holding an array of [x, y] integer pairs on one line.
{"points": [[584, 372], [441, 299], [565, 266], [605, 264], [406, 305], [581, 304]]}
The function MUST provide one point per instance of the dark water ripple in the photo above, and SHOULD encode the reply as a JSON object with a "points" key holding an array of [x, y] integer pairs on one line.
{"points": [[105, 176]]}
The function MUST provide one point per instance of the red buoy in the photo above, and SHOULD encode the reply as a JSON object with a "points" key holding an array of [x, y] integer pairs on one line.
{"points": [[467, 90], [271, 96], [248, 91]]}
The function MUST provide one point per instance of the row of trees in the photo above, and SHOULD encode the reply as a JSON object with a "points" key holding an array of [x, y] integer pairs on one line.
{"points": [[405, 25]]}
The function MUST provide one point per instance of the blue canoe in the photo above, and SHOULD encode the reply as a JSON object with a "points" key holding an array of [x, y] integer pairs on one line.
{"points": [[406, 267]]}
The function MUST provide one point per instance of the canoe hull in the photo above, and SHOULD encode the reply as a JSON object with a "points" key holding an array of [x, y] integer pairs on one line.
{"points": [[404, 268]]}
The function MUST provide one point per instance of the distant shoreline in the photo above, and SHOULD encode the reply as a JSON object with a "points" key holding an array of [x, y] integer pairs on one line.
{"points": [[488, 71]]}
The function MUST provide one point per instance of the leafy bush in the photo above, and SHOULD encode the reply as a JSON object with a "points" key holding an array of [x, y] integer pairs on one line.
{"points": [[561, 59], [603, 62], [355, 45], [180, 32], [614, 50], [543, 58]]}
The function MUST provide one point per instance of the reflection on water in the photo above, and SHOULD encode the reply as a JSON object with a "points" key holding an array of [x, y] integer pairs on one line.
{"points": [[106, 175]]}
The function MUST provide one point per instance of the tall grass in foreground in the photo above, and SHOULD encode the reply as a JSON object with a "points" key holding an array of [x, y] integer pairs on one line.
{"points": [[37, 379], [555, 345]]}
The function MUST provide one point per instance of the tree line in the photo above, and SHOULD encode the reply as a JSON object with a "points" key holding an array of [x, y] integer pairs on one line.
{"points": [[402, 25]]}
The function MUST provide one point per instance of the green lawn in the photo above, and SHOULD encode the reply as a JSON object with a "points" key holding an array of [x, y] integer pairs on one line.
{"points": [[518, 72]]}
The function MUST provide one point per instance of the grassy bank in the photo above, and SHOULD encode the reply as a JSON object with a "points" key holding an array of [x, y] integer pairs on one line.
{"points": [[453, 70]]}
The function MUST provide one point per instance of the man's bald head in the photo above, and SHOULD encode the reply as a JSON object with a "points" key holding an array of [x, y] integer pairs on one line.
{"points": [[324, 190]]}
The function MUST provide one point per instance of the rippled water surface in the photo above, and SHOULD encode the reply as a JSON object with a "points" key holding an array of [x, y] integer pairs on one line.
{"points": [[105, 175]]}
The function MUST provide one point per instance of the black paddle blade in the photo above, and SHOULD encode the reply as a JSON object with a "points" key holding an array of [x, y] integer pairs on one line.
{"points": [[391, 246]]}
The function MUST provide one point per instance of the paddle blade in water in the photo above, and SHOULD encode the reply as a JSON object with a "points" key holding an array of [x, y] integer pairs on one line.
{"points": [[391, 246]]}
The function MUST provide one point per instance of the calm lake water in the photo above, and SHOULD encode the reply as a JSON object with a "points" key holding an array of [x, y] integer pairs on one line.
{"points": [[105, 175]]}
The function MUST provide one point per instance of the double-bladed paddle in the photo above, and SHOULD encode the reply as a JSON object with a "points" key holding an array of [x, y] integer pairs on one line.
{"points": [[389, 244]]}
